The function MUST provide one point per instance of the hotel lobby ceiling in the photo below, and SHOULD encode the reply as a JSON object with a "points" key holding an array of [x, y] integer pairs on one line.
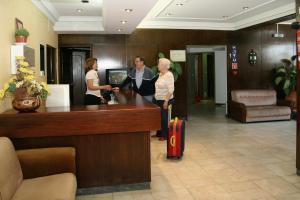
{"points": [[111, 16]]}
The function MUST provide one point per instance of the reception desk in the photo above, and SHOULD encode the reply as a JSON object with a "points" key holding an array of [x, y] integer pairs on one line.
{"points": [[112, 142]]}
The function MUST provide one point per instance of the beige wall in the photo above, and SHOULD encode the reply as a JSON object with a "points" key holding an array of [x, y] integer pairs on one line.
{"points": [[39, 27]]}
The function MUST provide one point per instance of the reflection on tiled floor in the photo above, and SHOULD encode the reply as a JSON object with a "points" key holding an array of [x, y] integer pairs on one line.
{"points": [[223, 160]]}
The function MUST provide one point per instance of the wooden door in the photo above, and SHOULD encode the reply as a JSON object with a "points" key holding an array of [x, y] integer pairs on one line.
{"points": [[78, 72], [72, 61]]}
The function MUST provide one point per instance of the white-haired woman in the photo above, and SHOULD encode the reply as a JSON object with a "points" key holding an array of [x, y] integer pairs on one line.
{"points": [[163, 97]]}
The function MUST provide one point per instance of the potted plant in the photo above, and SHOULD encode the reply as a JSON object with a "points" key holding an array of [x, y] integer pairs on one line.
{"points": [[25, 89], [175, 67], [21, 35], [286, 79]]}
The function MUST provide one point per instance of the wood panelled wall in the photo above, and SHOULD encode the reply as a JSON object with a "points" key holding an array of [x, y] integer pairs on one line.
{"points": [[269, 53], [115, 51]]}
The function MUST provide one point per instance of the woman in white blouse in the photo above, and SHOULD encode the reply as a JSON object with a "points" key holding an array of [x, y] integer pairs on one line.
{"points": [[93, 94], [163, 97]]}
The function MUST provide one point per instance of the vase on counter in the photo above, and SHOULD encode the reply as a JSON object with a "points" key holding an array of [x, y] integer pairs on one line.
{"points": [[26, 104], [23, 102]]}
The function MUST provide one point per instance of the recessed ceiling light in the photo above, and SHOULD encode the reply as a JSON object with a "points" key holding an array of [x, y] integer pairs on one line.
{"points": [[245, 8], [168, 14], [123, 21], [119, 29], [79, 10], [128, 10], [179, 4]]}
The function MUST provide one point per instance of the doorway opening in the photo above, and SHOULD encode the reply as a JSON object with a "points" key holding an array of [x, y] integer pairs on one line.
{"points": [[72, 61], [207, 76]]}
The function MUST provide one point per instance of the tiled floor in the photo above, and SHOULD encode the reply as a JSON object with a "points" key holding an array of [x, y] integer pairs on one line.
{"points": [[223, 160]]}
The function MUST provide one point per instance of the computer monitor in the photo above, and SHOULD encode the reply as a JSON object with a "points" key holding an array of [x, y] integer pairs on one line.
{"points": [[115, 77]]}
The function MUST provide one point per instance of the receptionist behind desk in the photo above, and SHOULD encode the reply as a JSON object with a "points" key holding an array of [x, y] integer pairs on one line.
{"points": [[142, 79], [93, 92]]}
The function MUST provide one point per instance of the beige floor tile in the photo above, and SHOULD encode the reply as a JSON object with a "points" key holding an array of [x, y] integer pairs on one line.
{"points": [[210, 193], [292, 179], [239, 186], [283, 168], [107, 196], [288, 197], [253, 194], [277, 186], [180, 194]]}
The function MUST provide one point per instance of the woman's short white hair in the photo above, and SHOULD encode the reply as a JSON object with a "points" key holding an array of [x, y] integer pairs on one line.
{"points": [[165, 62]]}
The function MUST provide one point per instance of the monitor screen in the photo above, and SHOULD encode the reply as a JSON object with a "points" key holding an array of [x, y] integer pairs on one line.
{"points": [[115, 77]]}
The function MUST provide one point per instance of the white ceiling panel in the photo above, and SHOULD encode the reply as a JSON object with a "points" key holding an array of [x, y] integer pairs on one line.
{"points": [[97, 16], [70, 7], [105, 16], [215, 14]]}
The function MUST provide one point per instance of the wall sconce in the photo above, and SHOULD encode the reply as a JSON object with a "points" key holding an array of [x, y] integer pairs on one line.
{"points": [[252, 57]]}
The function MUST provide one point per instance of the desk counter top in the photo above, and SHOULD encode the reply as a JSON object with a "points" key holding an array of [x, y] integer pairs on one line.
{"points": [[132, 114]]}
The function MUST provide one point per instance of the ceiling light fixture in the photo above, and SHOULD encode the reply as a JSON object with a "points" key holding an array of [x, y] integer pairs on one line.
{"points": [[179, 4], [123, 21], [128, 10], [245, 8], [119, 29], [79, 10]]}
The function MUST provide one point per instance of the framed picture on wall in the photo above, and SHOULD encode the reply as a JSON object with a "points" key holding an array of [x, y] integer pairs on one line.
{"points": [[19, 24]]}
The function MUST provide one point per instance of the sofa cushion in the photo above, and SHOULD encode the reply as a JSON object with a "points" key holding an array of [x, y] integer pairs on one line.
{"points": [[11, 174], [254, 97], [56, 187], [267, 111]]}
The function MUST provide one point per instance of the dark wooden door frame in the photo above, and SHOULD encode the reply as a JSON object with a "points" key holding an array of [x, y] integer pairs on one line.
{"points": [[51, 64], [298, 101]]}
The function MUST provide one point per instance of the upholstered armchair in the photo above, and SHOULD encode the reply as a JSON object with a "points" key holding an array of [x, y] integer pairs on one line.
{"points": [[37, 173]]}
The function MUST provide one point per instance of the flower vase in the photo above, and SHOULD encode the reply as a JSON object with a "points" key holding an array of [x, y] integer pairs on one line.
{"points": [[26, 103]]}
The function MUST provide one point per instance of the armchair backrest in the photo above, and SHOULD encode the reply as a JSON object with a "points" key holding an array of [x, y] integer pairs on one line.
{"points": [[10, 170], [254, 97]]}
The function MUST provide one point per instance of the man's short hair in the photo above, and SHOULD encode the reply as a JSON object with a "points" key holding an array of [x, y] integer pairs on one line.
{"points": [[141, 58]]}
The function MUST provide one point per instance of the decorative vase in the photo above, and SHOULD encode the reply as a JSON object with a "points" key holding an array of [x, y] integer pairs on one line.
{"points": [[21, 39], [26, 104]]}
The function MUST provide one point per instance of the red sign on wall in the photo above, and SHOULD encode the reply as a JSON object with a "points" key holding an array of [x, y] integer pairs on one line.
{"points": [[298, 49]]}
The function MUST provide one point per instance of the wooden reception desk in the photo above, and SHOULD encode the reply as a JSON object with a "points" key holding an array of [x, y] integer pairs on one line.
{"points": [[112, 142]]}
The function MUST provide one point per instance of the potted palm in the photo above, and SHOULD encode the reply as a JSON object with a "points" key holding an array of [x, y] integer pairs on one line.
{"points": [[21, 35], [175, 67], [286, 79]]}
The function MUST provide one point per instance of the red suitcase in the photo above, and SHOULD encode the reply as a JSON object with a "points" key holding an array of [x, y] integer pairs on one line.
{"points": [[176, 136]]}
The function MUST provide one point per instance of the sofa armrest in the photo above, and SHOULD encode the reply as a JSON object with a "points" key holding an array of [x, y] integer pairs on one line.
{"points": [[47, 161], [286, 103], [237, 111]]}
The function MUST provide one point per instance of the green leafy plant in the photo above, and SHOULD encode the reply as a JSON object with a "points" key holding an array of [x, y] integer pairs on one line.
{"points": [[22, 32], [285, 75], [175, 67]]}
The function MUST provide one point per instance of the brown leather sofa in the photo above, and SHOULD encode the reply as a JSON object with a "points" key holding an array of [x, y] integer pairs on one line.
{"points": [[257, 105], [50, 173]]}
